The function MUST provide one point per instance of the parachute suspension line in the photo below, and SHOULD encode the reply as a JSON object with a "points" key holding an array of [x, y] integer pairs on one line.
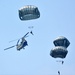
{"points": [[59, 67], [31, 27]]}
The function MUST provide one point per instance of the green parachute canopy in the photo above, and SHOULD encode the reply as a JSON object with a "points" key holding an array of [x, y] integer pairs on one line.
{"points": [[29, 12], [61, 41], [60, 51]]}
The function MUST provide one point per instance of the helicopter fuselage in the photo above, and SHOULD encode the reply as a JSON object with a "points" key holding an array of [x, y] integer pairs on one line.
{"points": [[22, 45]]}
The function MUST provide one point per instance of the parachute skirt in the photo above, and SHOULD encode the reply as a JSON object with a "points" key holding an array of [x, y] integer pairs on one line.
{"points": [[58, 52]]}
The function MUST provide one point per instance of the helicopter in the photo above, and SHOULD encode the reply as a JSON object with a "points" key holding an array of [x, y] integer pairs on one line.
{"points": [[22, 44]]}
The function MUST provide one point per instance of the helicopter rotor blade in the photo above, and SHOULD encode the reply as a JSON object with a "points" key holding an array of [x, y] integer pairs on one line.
{"points": [[13, 40], [25, 34], [9, 47], [20, 38]]}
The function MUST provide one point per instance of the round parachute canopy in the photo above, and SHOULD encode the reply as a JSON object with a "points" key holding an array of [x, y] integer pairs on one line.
{"points": [[58, 52], [61, 41], [29, 12]]}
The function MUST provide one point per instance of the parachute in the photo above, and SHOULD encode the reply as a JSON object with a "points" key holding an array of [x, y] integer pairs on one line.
{"points": [[61, 41], [29, 12], [60, 51]]}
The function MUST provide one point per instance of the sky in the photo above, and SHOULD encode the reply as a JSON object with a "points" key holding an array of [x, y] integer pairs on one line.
{"points": [[57, 18]]}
